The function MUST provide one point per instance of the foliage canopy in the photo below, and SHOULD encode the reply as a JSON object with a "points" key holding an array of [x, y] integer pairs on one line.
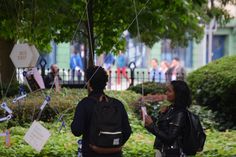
{"points": [[39, 22]]}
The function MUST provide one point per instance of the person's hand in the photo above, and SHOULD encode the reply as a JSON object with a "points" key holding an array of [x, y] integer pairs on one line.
{"points": [[148, 120], [147, 98], [153, 97]]}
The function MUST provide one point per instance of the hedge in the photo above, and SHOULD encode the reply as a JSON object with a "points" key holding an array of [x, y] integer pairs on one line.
{"points": [[27, 110], [214, 86], [149, 88], [64, 144]]}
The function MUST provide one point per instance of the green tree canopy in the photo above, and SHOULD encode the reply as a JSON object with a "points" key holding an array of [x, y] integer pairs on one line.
{"points": [[101, 23], [38, 22]]}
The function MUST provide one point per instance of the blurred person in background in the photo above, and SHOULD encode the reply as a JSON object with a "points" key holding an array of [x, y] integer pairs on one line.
{"points": [[176, 71], [76, 65], [121, 67], [109, 60], [53, 78], [164, 68], [155, 71]]}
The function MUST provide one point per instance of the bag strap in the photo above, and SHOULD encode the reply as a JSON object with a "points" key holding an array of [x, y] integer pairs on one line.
{"points": [[101, 98], [102, 150], [190, 119]]}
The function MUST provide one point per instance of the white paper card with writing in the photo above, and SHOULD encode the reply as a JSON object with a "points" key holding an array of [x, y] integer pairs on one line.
{"points": [[37, 136], [24, 55], [144, 113]]}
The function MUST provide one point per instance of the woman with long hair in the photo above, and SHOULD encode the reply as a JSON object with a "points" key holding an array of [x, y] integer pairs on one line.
{"points": [[171, 123]]}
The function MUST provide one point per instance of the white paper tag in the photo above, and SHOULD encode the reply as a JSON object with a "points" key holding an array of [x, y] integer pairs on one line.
{"points": [[37, 136], [6, 108], [144, 113], [116, 141], [19, 98], [57, 83], [46, 101]]}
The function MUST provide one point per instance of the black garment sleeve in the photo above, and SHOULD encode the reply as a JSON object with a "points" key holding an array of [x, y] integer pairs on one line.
{"points": [[169, 135], [78, 123], [47, 81], [151, 128]]}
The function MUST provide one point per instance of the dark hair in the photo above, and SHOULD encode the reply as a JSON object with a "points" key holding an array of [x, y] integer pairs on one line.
{"points": [[183, 98], [154, 59], [97, 77], [176, 58]]}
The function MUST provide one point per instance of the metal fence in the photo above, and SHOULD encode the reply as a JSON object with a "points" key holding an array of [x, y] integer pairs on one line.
{"points": [[116, 81]]}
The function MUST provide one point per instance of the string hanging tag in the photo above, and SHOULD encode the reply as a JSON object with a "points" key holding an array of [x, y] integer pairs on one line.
{"points": [[6, 134], [63, 124], [22, 94], [8, 110], [46, 101], [20, 97]]}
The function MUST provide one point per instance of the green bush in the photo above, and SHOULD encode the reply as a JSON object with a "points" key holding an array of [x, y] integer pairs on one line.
{"points": [[28, 109], [64, 144], [206, 116], [219, 144], [140, 144], [12, 90], [149, 88], [145, 89], [59, 144], [214, 86]]}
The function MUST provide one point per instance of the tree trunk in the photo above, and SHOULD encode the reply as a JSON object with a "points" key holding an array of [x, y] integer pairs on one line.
{"points": [[86, 56], [6, 66], [89, 27]]}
